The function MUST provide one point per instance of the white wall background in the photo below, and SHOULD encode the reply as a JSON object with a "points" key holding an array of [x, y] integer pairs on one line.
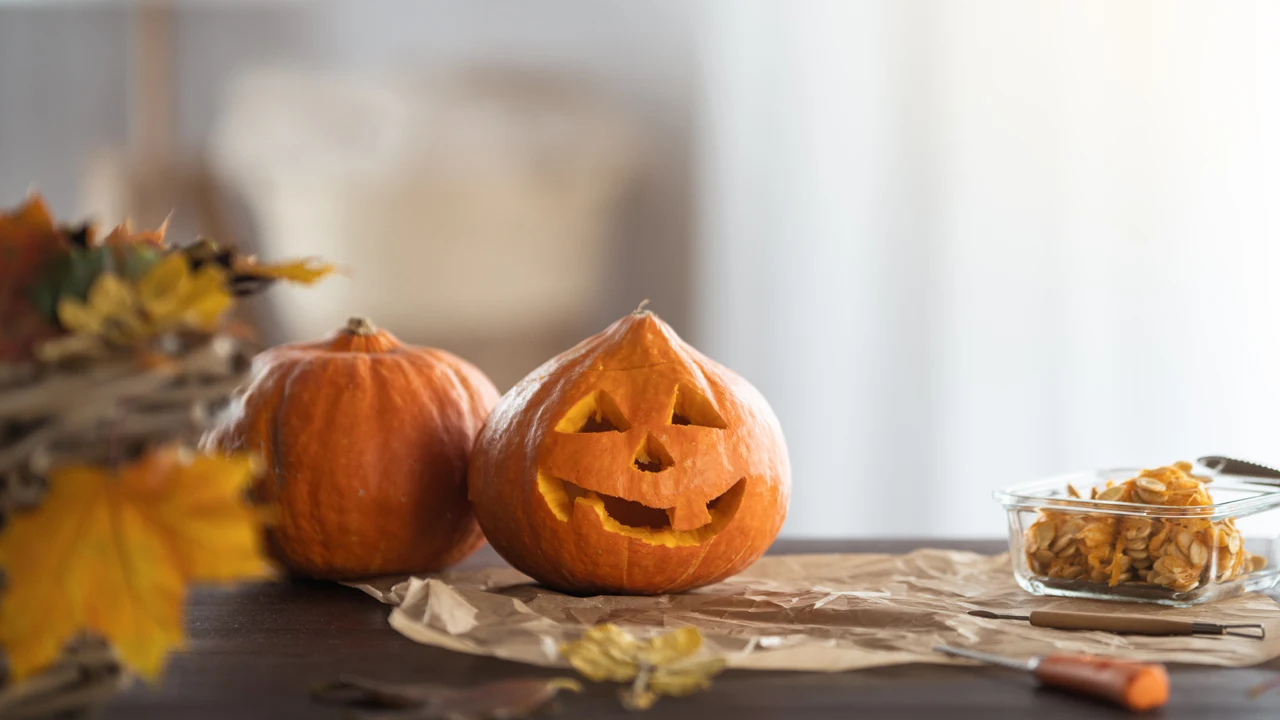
{"points": [[959, 244], [967, 244], [63, 86]]}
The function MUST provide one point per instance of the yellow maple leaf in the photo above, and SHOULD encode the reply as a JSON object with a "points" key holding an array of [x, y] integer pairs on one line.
{"points": [[111, 311], [662, 665], [167, 297], [173, 295], [163, 289], [687, 677], [604, 653], [208, 299], [112, 553], [300, 271], [671, 647]]}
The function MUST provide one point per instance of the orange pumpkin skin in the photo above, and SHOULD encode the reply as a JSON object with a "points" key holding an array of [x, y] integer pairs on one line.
{"points": [[631, 464], [365, 442]]}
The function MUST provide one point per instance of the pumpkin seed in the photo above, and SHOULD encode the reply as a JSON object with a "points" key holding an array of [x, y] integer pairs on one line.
{"points": [[1198, 554], [1177, 554], [1044, 535], [1112, 493], [1152, 497], [1096, 533], [1138, 532], [1151, 484], [1184, 539]]}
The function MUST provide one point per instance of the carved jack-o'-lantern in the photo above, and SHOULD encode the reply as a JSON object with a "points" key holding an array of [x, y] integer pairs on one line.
{"points": [[631, 463]]}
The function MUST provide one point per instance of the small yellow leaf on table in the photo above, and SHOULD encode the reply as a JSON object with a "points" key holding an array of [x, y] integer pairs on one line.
{"points": [[662, 665]]}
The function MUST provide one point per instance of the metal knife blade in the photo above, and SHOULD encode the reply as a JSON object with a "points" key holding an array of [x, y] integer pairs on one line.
{"points": [[1244, 468]]}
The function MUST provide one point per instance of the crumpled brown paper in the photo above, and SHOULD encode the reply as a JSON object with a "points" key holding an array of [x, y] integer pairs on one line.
{"points": [[810, 612]]}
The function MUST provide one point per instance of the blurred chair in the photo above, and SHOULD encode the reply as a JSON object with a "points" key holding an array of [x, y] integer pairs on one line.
{"points": [[474, 208], [149, 177]]}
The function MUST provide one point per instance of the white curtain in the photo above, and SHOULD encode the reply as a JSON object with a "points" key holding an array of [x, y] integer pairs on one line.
{"points": [[962, 245]]}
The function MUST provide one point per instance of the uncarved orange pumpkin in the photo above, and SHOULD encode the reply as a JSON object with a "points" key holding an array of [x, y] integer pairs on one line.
{"points": [[631, 464], [365, 441]]}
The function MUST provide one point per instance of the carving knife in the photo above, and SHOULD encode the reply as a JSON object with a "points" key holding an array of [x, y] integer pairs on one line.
{"points": [[1131, 685]]}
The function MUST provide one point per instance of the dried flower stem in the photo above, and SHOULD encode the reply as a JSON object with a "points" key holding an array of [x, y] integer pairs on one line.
{"points": [[102, 413]]}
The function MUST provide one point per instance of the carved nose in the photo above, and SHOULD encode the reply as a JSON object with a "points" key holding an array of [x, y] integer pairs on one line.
{"points": [[651, 456]]}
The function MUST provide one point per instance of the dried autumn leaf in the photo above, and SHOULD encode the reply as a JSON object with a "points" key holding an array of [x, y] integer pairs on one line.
{"points": [[208, 299], [686, 678], [34, 213], [123, 234], [305, 271], [674, 680], [111, 311], [605, 653], [662, 665], [113, 553], [29, 243], [169, 296], [116, 304], [164, 288], [174, 296], [671, 647], [637, 697], [78, 317], [502, 699]]}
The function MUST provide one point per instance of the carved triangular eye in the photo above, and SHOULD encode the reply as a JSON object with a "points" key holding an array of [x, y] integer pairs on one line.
{"points": [[652, 456], [594, 413], [693, 408]]}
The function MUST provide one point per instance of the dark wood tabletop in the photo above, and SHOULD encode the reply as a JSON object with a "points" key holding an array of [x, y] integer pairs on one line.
{"points": [[255, 652]]}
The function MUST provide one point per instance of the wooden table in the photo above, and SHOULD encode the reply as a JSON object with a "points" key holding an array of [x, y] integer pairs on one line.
{"points": [[255, 651]]}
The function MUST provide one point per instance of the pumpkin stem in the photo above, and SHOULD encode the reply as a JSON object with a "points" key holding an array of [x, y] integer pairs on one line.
{"points": [[640, 308], [361, 326]]}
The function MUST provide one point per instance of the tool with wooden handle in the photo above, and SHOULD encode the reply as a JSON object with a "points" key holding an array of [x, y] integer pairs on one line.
{"points": [[1132, 624], [1131, 685]]}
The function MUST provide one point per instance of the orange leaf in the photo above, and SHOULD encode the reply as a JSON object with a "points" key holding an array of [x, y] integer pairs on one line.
{"points": [[33, 215], [123, 234], [28, 243], [113, 554]]}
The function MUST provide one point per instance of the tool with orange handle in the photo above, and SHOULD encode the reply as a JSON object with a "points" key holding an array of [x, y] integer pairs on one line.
{"points": [[1131, 685]]}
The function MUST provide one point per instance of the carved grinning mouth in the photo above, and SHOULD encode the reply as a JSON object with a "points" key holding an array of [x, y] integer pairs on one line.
{"points": [[633, 519]]}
